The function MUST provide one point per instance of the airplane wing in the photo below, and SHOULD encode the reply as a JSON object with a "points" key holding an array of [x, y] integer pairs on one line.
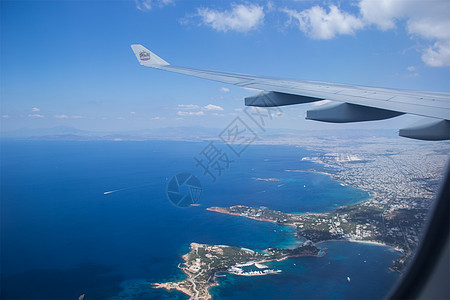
{"points": [[350, 103]]}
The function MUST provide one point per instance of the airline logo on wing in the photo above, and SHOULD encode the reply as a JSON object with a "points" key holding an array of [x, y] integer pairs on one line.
{"points": [[144, 55]]}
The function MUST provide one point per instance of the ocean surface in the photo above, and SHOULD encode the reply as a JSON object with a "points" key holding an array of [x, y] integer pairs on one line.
{"points": [[62, 236]]}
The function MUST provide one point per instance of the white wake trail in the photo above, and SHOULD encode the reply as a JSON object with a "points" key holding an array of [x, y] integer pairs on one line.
{"points": [[133, 187], [110, 192]]}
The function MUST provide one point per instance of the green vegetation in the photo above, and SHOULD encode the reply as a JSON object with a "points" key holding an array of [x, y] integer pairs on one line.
{"points": [[203, 262], [358, 222]]}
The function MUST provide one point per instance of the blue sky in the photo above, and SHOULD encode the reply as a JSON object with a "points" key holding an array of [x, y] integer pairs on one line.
{"points": [[68, 63]]}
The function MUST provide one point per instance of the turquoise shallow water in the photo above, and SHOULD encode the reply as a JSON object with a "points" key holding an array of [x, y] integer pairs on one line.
{"points": [[61, 236], [320, 278]]}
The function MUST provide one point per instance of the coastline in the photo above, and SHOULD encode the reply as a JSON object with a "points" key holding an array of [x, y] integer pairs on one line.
{"points": [[377, 244], [204, 262], [363, 242], [259, 215], [362, 206], [225, 212], [372, 194]]}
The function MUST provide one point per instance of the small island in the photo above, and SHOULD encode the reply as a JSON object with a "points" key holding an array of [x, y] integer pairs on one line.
{"points": [[267, 179], [205, 262]]}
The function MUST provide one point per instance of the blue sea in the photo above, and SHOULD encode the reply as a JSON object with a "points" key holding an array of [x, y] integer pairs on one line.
{"points": [[62, 236]]}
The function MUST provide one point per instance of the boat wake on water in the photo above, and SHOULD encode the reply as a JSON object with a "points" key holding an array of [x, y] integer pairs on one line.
{"points": [[123, 189]]}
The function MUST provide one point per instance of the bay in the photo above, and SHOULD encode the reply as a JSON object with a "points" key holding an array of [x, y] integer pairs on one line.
{"points": [[58, 225]]}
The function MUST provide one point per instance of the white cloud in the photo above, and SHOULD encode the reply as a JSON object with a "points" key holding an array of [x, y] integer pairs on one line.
{"points": [[240, 17], [35, 109], [35, 116], [437, 55], [5, 116], [225, 90], [132, 112], [212, 107], [382, 13], [61, 116], [190, 113], [425, 20], [319, 24], [412, 73], [428, 20], [64, 116], [157, 118], [188, 106], [146, 5]]}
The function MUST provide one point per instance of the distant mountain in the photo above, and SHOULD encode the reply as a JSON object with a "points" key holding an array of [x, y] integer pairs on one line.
{"points": [[192, 133], [38, 132], [70, 133]]}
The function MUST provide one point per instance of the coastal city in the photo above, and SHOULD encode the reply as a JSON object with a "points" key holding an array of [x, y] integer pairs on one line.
{"points": [[401, 180], [401, 176]]}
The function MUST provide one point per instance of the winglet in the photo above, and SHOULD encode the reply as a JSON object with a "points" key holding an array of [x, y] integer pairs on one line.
{"points": [[147, 58]]}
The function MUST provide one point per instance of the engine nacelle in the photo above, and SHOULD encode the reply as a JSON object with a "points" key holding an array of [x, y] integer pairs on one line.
{"points": [[346, 112], [435, 130], [271, 99]]}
